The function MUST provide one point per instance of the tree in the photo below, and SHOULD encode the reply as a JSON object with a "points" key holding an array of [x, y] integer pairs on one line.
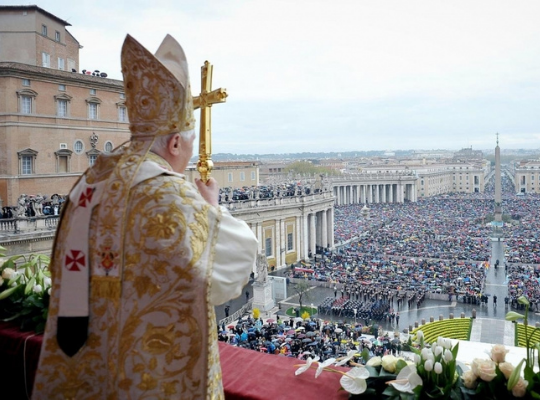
{"points": [[302, 288]]}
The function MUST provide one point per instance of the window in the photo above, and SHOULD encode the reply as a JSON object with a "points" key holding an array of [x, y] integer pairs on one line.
{"points": [[45, 60], [26, 165], [122, 95], [26, 100], [57, 36], [253, 176], [242, 176], [92, 159], [108, 147], [63, 145], [268, 246], [26, 105], [27, 159], [290, 242], [44, 30], [230, 177], [78, 146], [93, 107], [93, 92], [62, 102], [61, 63], [122, 114], [92, 156], [26, 82], [92, 111], [62, 88], [61, 107], [63, 156], [71, 65]]}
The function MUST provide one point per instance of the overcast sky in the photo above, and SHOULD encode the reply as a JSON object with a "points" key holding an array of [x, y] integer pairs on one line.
{"points": [[312, 75]]}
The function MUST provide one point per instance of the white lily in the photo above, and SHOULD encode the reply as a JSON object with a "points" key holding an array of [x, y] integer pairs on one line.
{"points": [[344, 360], [323, 365], [354, 381], [306, 366], [406, 380]]}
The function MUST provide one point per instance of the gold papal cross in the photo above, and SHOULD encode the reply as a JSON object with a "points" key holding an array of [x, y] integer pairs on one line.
{"points": [[204, 101]]}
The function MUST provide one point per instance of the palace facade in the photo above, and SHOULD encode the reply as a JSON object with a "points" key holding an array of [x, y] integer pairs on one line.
{"points": [[54, 120]]}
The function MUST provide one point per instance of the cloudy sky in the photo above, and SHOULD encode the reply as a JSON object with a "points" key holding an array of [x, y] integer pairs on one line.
{"points": [[314, 75]]}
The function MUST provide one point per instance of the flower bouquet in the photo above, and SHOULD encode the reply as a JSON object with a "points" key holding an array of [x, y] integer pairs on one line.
{"points": [[361, 381], [493, 378], [432, 375], [531, 380], [25, 291]]}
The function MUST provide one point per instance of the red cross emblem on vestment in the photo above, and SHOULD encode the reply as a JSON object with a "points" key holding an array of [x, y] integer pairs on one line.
{"points": [[86, 196], [74, 259]]}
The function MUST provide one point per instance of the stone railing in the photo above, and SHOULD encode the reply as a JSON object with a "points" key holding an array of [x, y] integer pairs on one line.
{"points": [[372, 176], [246, 309], [28, 225], [276, 201]]}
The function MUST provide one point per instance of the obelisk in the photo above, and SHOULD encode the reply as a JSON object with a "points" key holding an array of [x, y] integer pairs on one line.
{"points": [[498, 194]]}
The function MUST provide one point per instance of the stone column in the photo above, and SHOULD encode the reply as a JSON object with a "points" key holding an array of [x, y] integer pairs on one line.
{"points": [[324, 229], [305, 235], [259, 235], [277, 242], [391, 193], [330, 224], [318, 229], [283, 245], [383, 187], [370, 194], [377, 194], [298, 238], [312, 234], [364, 194]]}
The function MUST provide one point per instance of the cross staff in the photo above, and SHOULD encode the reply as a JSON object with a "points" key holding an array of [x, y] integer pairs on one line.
{"points": [[204, 101]]}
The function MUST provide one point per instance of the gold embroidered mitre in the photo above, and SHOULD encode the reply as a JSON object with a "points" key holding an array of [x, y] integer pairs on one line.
{"points": [[158, 94]]}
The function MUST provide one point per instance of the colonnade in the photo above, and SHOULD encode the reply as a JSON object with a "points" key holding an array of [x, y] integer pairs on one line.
{"points": [[290, 228], [354, 193]]}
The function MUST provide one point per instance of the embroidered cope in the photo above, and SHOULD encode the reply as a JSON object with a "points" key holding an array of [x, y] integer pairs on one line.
{"points": [[152, 330]]}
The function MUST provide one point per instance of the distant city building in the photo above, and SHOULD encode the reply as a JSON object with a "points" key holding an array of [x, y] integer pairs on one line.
{"points": [[54, 120], [468, 154], [231, 173], [527, 176]]}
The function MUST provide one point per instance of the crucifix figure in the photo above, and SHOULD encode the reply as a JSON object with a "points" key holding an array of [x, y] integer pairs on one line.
{"points": [[204, 101]]}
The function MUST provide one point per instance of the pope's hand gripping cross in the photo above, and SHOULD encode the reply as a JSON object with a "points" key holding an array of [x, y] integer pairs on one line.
{"points": [[204, 101]]}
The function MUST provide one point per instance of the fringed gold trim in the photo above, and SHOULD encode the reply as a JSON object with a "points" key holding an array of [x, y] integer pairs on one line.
{"points": [[107, 287]]}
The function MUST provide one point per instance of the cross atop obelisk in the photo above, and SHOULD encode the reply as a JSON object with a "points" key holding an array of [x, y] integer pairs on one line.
{"points": [[204, 101]]}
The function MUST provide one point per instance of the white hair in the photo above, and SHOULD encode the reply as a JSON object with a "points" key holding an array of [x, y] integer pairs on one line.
{"points": [[161, 142]]}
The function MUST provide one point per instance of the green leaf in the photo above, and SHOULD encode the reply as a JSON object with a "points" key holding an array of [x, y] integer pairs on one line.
{"points": [[8, 292], [373, 373], [514, 376], [365, 355], [400, 365], [513, 316], [29, 286], [15, 316]]}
